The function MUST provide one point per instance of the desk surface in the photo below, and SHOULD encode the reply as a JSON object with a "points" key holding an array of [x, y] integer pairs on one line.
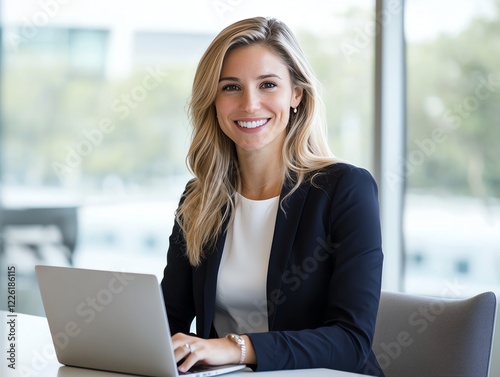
{"points": [[35, 355]]}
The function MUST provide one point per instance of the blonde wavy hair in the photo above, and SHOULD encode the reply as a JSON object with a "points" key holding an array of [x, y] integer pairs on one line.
{"points": [[208, 201]]}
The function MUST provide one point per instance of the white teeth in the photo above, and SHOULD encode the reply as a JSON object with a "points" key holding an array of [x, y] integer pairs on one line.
{"points": [[253, 124]]}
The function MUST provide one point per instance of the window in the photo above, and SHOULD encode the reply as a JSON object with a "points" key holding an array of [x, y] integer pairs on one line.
{"points": [[452, 165]]}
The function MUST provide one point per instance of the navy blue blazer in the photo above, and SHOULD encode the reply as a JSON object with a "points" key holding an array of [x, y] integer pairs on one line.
{"points": [[323, 281]]}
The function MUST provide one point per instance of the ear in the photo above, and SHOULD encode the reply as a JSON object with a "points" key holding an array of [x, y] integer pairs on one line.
{"points": [[296, 96]]}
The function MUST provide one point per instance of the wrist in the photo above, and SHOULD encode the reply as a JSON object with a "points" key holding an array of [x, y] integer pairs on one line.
{"points": [[239, 341]]}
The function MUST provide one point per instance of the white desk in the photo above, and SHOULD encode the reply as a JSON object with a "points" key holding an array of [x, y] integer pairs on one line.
{"points": [[35, 355]]}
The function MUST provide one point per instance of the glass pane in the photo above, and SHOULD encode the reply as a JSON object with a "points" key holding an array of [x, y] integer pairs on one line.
{"points": [[452, 216], [94, 127]]}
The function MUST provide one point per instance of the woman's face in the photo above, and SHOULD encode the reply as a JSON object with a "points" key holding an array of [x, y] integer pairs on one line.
{"points": [[254, 97]]}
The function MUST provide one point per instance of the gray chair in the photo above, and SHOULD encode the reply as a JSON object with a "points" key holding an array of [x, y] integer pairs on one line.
{"points": [[64, 218], [418, 336]]}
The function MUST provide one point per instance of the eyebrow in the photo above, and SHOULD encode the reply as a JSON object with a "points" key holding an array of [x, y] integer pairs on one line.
{"points": [[261, 77]]}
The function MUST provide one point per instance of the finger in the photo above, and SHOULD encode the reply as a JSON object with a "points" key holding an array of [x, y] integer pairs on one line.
{"points": [[182, 351], [179, 342], [190, 360]]}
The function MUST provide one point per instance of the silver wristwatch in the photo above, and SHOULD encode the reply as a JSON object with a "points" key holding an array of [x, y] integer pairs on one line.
{"points": [[241, 343]]}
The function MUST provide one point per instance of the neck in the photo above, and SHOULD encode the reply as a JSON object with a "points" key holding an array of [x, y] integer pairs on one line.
{"points": [[262, 170], [261, 180], [267, 190]]}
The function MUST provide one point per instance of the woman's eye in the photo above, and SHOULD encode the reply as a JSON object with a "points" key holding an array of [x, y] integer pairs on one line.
{"points": [[268, 85], [230, 88]]}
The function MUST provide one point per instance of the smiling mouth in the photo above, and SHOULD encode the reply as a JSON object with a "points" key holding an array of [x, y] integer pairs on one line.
{"points": [[253, 124]]}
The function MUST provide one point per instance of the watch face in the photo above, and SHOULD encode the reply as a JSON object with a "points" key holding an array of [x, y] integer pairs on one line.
{"points": [[238, 339]]}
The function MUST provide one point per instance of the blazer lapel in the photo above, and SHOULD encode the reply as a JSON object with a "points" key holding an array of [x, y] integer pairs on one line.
{"points": [[285, 230]]}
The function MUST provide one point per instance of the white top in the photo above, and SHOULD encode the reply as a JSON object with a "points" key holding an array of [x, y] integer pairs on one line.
{"points": [[241, 283]]}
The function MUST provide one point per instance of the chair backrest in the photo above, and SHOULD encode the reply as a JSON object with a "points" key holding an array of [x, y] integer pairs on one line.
{"points": [[65, 219], [418, 336]]}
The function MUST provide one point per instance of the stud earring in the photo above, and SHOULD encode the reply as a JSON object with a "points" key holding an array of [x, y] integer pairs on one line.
{"points": [[295, 110]]}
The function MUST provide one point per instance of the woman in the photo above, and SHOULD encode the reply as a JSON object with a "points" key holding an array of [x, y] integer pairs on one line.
{"points": [[276, 248]]}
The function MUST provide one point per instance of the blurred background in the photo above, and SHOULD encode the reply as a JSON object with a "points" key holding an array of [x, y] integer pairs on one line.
{"points": [[94, 129]]}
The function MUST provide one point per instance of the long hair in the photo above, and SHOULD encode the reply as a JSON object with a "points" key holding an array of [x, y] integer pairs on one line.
{"points": [[209, 198]]}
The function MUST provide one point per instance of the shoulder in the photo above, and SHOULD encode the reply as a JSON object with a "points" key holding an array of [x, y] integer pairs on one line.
{"points": [[347, 192], [342, 176]]}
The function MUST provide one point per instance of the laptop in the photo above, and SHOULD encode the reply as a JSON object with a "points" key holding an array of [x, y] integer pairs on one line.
{"points": [[109, 320]]}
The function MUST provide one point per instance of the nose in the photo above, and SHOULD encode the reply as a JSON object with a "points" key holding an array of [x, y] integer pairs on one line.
{"points": [[250, 101]]}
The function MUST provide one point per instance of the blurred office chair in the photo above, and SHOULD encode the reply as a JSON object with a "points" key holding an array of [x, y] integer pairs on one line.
{"points": [[33, 227], [417, 336]]}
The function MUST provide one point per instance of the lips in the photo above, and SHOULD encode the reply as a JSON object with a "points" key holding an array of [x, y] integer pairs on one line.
{"points": [[252, 124]]}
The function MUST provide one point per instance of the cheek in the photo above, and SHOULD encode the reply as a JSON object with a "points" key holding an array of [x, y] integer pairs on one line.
{"points": [[220, 106], [223, 111], [280, 104], [282, 108]]}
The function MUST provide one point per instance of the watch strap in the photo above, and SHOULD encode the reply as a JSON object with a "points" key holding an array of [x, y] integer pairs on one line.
{"points": [[240, 341]]}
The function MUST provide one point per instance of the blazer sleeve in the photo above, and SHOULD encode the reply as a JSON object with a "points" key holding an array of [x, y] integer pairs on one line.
{"points": [[343, 341], [177, 284]]}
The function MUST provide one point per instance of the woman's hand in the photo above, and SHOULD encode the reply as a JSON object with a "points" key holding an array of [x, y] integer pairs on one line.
{"points": [[208, 351]]}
